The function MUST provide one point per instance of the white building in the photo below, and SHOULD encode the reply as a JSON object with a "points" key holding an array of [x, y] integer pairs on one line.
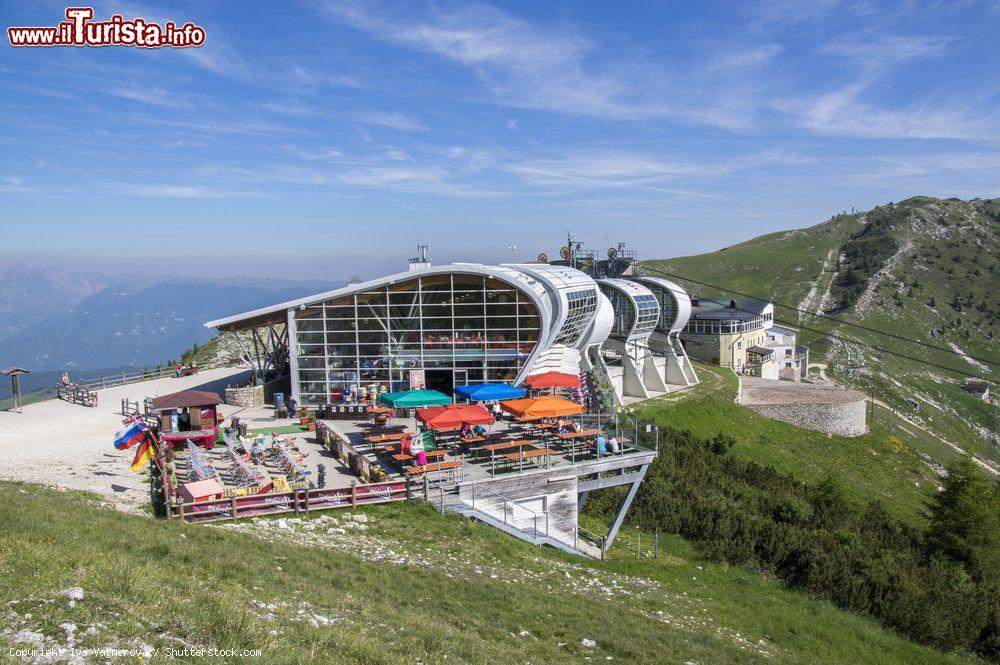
{"points": [[438, 327]]}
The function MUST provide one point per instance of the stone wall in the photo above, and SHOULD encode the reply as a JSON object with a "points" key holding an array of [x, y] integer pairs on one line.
{"points": [[251, 396], [846, 419]]}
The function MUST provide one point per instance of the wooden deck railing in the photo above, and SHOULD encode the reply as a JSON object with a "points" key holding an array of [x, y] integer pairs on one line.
{"points": [[302, 501]]}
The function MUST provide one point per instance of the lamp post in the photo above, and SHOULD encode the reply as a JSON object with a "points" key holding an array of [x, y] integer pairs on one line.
{"points": [[510, 250]]}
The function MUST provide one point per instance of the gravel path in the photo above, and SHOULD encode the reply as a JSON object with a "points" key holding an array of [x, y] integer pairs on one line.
{"points": [[66, 445]]}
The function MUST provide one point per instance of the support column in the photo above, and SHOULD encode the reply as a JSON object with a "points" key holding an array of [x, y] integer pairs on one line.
{"points": [[581, 498], [293, 360], [626, 504]]}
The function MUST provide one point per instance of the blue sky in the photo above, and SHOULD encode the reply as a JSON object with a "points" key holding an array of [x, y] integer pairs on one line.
{"points": [[323, 139]]}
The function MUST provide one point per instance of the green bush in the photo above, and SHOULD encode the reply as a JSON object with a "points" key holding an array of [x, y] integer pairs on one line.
{"points": [[937, 586]]}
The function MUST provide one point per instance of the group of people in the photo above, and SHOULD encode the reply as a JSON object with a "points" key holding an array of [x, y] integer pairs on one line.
{"points": [[607, 446]]}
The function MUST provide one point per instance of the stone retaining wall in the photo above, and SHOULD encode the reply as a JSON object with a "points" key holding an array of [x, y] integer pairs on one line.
{"points": [[847, 419], [251, 396]]}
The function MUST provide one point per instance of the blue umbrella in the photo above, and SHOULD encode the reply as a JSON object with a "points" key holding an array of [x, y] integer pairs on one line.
{"points": [[488, 392]]}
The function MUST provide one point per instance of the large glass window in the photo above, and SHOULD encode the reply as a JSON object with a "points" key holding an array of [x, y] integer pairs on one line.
{"points": [[481, 326]]}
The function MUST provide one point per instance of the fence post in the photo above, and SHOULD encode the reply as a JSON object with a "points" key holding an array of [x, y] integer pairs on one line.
{"points": [[656, 549], [354, 495], [233, 501], [306, 494]]}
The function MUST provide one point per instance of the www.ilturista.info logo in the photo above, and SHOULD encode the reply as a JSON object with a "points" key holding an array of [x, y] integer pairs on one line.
{"points": [[80, 30]]}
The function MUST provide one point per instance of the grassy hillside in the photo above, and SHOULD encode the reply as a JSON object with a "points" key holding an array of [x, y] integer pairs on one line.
{"points": [[924, 268], [874, 466], [413, 587]]}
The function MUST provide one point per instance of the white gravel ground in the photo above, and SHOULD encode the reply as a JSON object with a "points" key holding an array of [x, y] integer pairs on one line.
{"points": [[66, 445]]}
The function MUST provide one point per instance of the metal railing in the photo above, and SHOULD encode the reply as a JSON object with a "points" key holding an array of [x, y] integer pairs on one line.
{"points": [[136, 376], [543, 525]]}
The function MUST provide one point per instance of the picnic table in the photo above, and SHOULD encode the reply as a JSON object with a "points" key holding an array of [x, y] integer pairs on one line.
{"points": [[534, 454], [451, 467], [473, 439], [582, 434], [493, 448], [388, 436]]}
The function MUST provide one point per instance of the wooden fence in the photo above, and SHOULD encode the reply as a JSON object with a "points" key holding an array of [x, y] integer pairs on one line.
{"points": [[135, 376], [303, 501], [77, 394]]}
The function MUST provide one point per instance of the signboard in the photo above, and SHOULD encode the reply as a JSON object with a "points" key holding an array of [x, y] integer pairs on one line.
{"points": [[417, 379]]}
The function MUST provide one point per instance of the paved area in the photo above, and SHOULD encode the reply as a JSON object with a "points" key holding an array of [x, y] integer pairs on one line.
{"points": [[67, 445], [770, 391]]}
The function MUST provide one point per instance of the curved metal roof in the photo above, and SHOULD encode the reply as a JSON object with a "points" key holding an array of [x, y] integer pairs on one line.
{"points": [[681, 300]]}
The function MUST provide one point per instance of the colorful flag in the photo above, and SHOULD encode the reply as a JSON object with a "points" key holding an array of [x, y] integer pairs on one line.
{"points": [[423, 442], [131, 435], [144, 453]]}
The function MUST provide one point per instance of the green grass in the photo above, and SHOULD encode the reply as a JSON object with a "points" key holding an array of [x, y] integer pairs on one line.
{"points": [[872, 466], [944, 258], [421, 587]]}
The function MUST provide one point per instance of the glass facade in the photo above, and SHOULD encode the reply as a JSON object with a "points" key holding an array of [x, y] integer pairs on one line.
{"points": [[727, 326], [582, 305], [632, 320], [467, 327]]}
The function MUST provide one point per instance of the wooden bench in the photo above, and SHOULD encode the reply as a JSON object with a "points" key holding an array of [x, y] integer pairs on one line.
{"points": [[385, 438], [582, 434], [431, 454], [413, 471], [505, 445], [531, 455], [473, 439]]}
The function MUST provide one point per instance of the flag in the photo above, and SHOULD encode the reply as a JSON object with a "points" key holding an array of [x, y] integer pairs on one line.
{"points": [[132, 434], [144, 453], [423, 443], [134, 418]]}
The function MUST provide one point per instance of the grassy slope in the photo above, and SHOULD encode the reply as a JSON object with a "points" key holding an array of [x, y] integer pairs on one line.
{"points": [[783, 266], [464, 593], [873, 466]]}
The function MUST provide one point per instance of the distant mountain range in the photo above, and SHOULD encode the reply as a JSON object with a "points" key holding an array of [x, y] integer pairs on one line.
{"points": [[57, 321]]}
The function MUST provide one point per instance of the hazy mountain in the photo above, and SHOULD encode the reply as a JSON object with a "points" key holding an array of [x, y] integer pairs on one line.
{"points": [[30, 294], [140, 326]]}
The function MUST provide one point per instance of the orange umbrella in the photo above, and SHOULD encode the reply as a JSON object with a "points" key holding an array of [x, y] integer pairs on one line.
{"points": [[535, 408], [553, 380], [454, 416]]}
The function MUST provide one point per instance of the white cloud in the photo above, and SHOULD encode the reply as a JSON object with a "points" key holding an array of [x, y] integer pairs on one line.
{"points": [[398, 121], [844, 112], [523, 65]]}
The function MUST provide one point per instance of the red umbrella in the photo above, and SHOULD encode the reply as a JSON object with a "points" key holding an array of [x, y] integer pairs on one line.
{"points": [[454, 416], [553, 380]]}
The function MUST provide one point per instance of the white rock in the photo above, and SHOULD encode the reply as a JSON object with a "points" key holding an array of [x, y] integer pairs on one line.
{"points": [[74, 593], [69, 629], [360, 518], [361, 527], [294, 520], [335, 531], [347, 516], [590, 644], [524, 633], [30, 637], [281, 524]]}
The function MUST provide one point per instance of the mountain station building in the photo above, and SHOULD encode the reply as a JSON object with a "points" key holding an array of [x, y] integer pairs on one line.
{"points": [[447, 326]]}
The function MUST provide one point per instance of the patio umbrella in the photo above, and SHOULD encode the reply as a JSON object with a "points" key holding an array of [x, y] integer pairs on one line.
{"points": [[535, 408], [454, 416], [553, 380], [414, 399], [488, 392]]}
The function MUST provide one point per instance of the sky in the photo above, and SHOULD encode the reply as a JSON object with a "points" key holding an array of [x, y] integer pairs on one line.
{"points": [[324, 139]]}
